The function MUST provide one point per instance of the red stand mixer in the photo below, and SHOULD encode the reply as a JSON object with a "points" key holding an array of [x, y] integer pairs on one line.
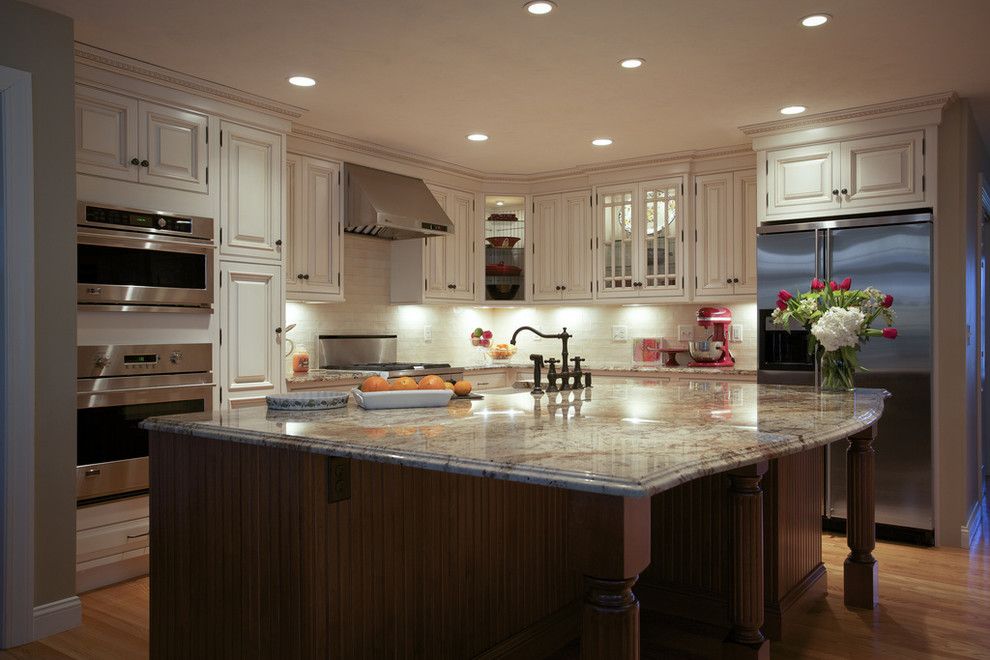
{"points": [[714, 351]]}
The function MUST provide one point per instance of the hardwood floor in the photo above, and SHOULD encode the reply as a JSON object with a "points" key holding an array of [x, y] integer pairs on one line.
{"points": [[933, 603]]}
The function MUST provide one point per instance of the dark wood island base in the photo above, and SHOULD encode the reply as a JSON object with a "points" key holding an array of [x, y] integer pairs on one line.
{"points": [[257, 554]]}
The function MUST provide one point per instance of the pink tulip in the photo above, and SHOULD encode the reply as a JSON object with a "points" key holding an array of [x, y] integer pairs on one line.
{"points": [[784, 295], [890, 333], [817, 284], [846, 284], [487, 334], [832, 285], [888, 300], [781, 305]]}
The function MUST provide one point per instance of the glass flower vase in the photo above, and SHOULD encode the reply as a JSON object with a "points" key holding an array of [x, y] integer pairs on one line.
{"points": [[836, 372]]}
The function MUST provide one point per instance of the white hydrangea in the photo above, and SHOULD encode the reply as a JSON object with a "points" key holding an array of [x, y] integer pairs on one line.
{"points": [[838, 328]]}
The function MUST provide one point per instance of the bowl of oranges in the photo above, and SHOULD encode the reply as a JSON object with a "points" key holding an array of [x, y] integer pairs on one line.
{"points": [[431, 391]]}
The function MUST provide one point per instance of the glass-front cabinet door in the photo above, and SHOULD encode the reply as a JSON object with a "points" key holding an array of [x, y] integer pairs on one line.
{"points": [[641, 239], [505, 248]]}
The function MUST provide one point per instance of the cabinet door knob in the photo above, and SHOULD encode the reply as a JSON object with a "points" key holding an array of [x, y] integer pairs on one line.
{"points": [[306, 276], [835, 191], [135, 161], [279, 242], [557, 288], [728, 281], [735, 280], [299, 276], [845, 191], [145, 163], [278, 330], [563, 287]]}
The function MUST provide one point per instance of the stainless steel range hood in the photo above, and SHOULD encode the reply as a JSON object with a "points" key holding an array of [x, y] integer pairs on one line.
{"points": [[391, 206]]}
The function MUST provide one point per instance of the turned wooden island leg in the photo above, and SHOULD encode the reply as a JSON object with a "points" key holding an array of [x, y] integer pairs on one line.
{"points": [[610, 543], [860, 573], [746, 639]]}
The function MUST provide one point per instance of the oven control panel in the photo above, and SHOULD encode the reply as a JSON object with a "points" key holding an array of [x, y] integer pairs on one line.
{"points": [[126, 219], [129, 360]]}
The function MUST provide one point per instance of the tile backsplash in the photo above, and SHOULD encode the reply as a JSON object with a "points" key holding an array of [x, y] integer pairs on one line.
{"points": [[368, 310]]}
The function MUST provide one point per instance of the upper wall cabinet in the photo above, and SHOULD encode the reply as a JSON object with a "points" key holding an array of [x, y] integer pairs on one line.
{"points": [[438, 269], [641, 240], [725, 234], [562, 253], [124, 138], [314, 232], [880, 173], [251, 192]]}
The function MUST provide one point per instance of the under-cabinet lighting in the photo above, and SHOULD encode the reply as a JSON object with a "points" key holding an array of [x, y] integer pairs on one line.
{"points": [[815, 20], [302, 81], [602, 142], [792, 110], [540, 7]]}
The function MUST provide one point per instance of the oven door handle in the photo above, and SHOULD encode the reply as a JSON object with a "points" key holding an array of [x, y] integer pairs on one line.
{"points": [[109, 398]]}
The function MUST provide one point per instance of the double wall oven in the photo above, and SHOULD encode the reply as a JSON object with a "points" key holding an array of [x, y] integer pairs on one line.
{"points": [[118, 387], [132, 260]]}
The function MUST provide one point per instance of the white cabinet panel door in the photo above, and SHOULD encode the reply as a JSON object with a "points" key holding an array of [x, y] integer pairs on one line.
{"points": [[435, 255], [459, 258], [173, 143], [106, 134], [546, 234], [251, 192], [618, 240], [251, 320], [802, 179], [883, 170], [321, 203], [661, 251], [575, 257], [745, 221], [296, 230], [714, 244]]}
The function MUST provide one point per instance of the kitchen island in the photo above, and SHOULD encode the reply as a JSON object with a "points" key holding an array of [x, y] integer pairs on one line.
{"points": [[473, 530]]}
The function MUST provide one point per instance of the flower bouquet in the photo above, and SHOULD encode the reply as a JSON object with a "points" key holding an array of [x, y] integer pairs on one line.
{"points": [[840, 318]]}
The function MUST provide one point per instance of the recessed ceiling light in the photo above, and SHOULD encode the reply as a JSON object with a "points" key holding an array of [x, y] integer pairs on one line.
{"points": [[500, 203], [540, 7], [815, 20], [477, 137], [632, 63], [792, 110], [601, 142], [302, 81]]}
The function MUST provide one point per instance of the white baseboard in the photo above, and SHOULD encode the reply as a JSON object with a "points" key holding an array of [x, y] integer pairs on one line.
{"points": [[970, 532], [57, 616]]}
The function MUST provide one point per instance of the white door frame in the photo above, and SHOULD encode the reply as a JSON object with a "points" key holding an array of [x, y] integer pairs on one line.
{"points": [[16, 360]]}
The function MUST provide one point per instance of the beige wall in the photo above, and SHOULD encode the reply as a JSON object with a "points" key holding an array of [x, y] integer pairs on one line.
{"points": [[962, 155], [366, 283], [40, 42]]}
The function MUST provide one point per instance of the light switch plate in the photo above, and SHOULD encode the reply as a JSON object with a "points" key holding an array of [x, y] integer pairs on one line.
{"points": [[735, 333], [620, 333], [685, 332], [427, 333]]}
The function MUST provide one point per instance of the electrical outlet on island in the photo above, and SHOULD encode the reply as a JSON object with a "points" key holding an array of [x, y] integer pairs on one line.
{"points": [[685, 332], [427, 333], [620, 333]]}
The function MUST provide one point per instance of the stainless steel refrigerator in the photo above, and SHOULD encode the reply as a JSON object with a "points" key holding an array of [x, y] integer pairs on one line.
{"points": [[892, 253]]}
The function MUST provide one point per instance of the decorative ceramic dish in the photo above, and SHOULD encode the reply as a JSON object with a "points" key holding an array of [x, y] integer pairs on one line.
{"points": [[503, 217], [307, 401], [402, 399], [502, 241], [501, 268]]}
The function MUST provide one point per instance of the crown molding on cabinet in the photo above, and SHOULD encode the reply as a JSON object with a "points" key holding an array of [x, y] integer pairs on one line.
{"points": [[379, 151], [874, 111], [103, 59]]}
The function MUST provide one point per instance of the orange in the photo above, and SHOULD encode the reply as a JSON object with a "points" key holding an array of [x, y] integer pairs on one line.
{"points": [[374, 384], [462, 388], [404, 383], [431, 383], [448, 385]]}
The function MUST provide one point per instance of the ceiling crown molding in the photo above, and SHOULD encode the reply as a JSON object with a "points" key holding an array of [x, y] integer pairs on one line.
{"points": [[103, 59], [874, 111], [380, 151]]}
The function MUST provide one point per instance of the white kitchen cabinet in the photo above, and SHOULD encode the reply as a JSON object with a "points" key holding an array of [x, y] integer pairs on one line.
{"points": [[562, 252], [250, 192], [125, 138], [251, 309], [313, 211], [641, 240], [875, 173], [438, 269], [725, 234]]}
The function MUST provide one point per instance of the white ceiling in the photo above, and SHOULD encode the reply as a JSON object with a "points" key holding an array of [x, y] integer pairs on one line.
{"points": [[419, 75]]}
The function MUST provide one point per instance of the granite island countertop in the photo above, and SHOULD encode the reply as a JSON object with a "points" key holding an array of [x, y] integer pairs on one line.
{"points": [[329, 376], [637, 368], [622, 438]]}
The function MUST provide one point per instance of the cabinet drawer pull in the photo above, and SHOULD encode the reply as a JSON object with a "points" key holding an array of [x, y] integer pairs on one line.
{"points": [[137, 536], [92, 472]]}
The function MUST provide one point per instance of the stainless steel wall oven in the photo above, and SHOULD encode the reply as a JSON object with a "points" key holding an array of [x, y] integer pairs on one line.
{"points": [[131, 260]]}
